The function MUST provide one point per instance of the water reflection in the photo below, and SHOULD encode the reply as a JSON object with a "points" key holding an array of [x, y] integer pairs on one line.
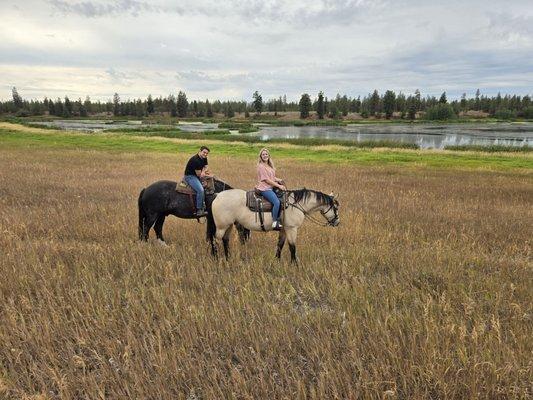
{"points": [[426, 136]]}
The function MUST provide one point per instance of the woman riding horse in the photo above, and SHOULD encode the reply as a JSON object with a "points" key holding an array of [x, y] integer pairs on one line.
{"points": [[230, 207]]}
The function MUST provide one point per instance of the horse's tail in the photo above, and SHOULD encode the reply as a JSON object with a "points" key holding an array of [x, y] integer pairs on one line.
{"points": [[142, 215]]}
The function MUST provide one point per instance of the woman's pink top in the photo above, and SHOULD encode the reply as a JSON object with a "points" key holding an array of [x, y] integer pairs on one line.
{"points": [[264, 172]]}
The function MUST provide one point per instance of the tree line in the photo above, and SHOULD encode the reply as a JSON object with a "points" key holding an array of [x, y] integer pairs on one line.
{"points": [[386, 105]]}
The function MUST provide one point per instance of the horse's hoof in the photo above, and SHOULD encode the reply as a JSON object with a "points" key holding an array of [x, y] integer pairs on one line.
{"points": [[162, 243]]}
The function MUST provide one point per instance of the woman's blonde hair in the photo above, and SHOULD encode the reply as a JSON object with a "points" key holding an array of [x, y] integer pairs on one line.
{"points": [[269, 161]]}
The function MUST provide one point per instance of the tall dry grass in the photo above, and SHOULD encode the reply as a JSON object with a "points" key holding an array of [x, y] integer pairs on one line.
{"points": [[424, 291]]}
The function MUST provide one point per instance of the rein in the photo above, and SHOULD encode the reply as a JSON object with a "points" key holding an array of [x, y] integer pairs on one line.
{"points": [[314, 220]]}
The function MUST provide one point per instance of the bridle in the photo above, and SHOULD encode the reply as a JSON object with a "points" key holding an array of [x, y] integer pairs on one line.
{"points": [[316, 221], [335, 218]]}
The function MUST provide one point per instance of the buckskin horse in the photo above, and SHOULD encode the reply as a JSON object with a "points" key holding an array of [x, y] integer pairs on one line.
{"points": [[161, 199], [230, 207]]}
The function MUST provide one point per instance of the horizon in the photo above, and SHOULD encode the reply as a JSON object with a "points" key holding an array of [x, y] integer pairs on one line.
{"points": [[226, 51]]}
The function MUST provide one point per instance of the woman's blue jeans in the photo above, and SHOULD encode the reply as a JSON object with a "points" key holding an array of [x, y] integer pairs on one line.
{"points": [[271, 196], [195, 183]]}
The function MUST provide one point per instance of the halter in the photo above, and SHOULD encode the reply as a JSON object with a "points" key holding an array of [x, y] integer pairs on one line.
{"points": [[308, 215]]}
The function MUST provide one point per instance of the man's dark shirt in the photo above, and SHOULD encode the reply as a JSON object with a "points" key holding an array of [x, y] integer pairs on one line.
{"points": [[195, 163]]}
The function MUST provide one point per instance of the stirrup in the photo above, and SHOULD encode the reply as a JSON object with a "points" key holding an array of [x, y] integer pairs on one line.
{"points": [[200, 213]]}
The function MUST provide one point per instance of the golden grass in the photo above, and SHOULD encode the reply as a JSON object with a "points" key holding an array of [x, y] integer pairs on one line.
{"points": [[424, 291]]}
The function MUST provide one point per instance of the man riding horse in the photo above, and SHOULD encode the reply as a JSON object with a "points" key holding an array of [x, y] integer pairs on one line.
{"points": [[197, 168]]}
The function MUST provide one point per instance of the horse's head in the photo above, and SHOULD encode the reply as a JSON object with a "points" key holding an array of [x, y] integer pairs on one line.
{"points": [[330, 210]]}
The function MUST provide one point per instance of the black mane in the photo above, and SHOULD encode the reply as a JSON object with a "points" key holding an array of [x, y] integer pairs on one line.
{"points": [[304, 194]]}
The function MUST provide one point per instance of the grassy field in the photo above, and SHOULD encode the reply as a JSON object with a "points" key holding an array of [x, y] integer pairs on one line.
{"points": [[423, 291]]}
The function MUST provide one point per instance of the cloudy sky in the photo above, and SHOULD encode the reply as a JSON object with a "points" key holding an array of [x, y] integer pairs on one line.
{"points": [[228, 49]]}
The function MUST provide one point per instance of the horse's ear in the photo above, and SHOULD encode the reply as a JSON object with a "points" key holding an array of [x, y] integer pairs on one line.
{"points": [[333, 195]]}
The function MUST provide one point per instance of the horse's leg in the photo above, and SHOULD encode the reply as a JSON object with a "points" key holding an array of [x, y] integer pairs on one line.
{"points": [[158, 228], [291, 238], [281, 243], [148, 222], [244, 234], [225, 241], [210, 234]]}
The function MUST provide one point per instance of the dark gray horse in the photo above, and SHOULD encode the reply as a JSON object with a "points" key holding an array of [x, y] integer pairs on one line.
{"points": [[160, 199]]}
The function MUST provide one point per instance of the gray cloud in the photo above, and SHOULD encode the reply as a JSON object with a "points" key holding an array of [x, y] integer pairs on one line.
{"points": [[94, 9], [229, 49]]}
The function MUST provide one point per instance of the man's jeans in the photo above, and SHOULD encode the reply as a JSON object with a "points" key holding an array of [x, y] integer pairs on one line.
{"points": [[271, 196], [195, 183]]}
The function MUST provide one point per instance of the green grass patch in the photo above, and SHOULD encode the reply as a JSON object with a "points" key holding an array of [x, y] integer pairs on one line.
{"points": [[492, 148], [356, 155]]}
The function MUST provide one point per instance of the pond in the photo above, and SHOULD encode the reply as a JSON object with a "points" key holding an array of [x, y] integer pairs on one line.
{"points": [[427, 136]]}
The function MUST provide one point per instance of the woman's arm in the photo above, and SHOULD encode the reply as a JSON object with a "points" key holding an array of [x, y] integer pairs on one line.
{"points": [[275, 184]]}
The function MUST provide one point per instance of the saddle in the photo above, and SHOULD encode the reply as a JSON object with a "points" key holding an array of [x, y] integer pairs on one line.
{"points": [[258, 204], [207, 182], [209, 187]]}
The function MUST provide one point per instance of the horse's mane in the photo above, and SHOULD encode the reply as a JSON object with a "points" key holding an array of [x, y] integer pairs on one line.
{"points": [[221, 182], [304, 194]]}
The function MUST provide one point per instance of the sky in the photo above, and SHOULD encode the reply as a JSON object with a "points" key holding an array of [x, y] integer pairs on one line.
{"points": [[228, 49]]}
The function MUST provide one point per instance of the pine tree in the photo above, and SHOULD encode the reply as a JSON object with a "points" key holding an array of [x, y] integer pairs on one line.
{"points": [[388, 103], [116, 104], [418, 100], [17, 100], [477, 104], [373, 106], [172, 105], [411, 108], [183, 104], [87, 104], [150, 105], [67, 108], [258, 102], [320, 105], [443, 99], [463, 102], [305, 105], [208, 109]]}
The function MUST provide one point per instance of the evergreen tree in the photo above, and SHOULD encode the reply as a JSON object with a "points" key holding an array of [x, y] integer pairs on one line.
{"points": [[17, 100], [401, 104], [87, 104], [373, 106], [320, 105], [388, 103], [116, 104], [418, 100], [51, 107], [172, 105], [477, 104], [333, 110], [150, 105], [58, 107], [229, 113], [463, 102], [258, 102], [82, 108], [183, 104], [411, 108], [305, 105], [443, 99], [208, 109], [344, 105], [67, 108]]}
